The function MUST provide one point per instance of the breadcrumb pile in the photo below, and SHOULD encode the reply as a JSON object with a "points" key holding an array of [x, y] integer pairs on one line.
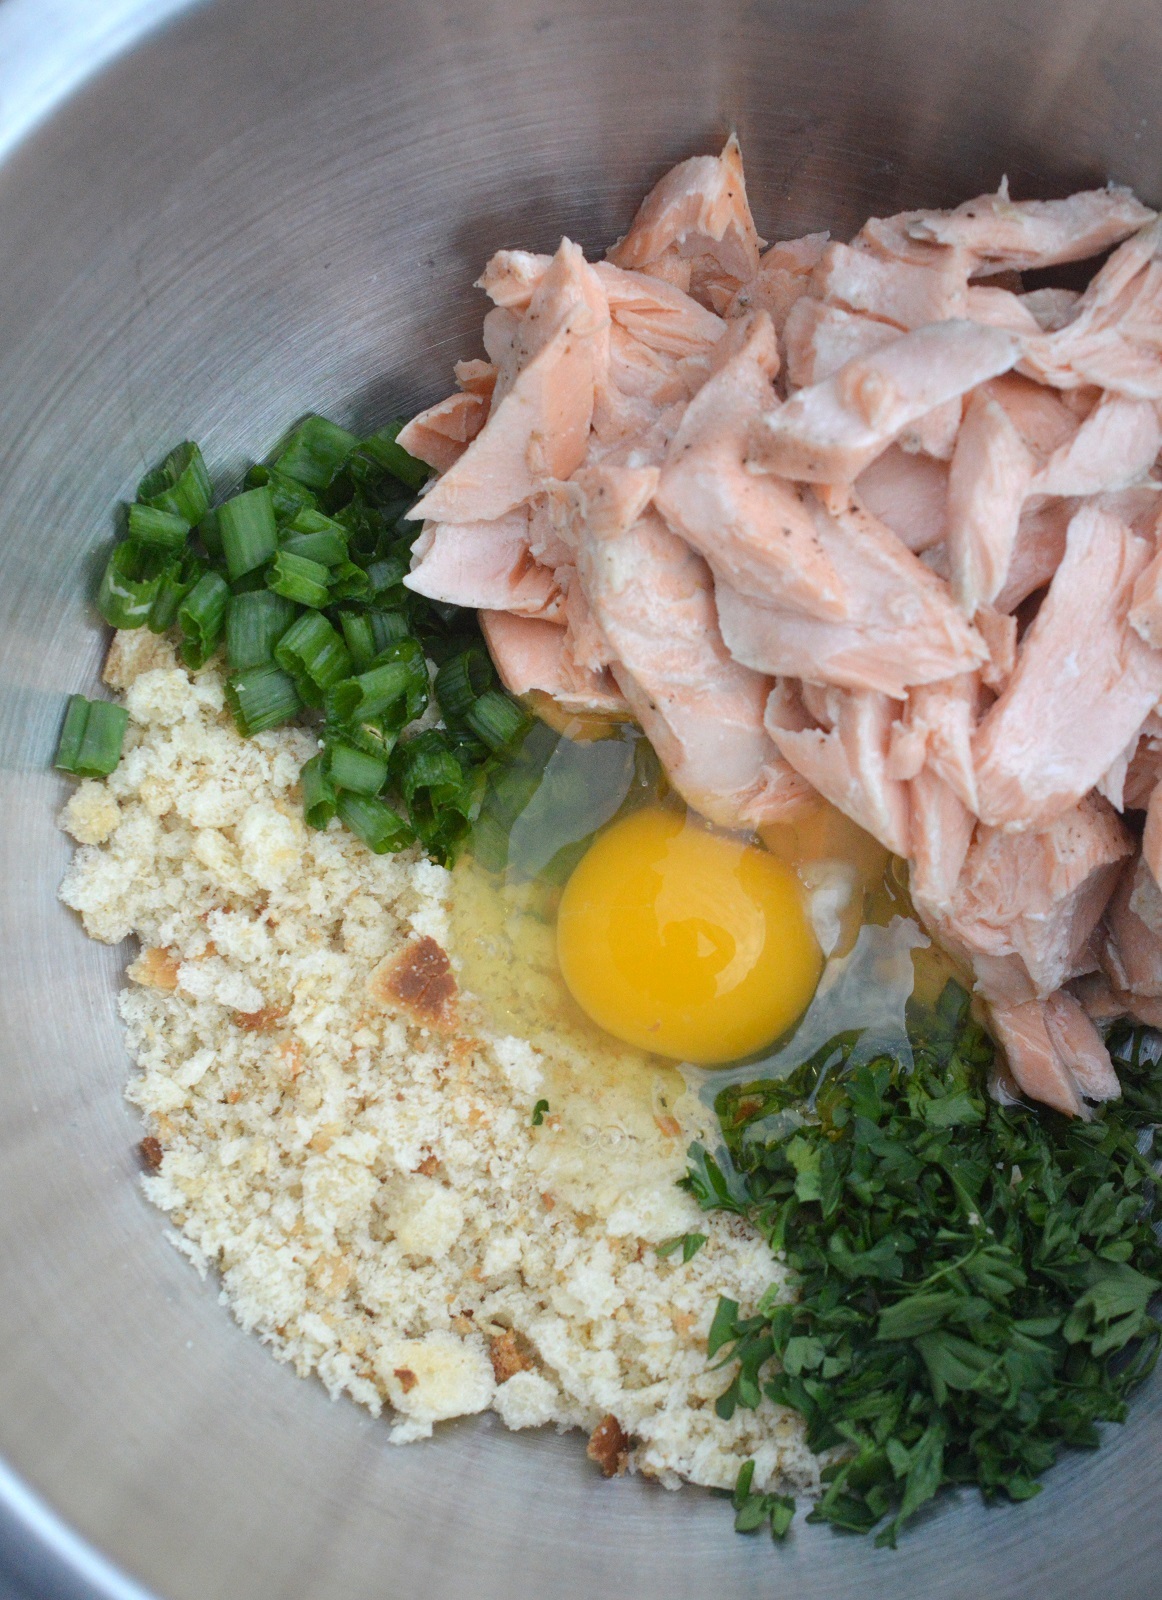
{"points": [[364, 1175]]}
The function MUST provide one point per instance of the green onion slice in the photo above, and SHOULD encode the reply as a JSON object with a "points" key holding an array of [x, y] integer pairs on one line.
{"points": [[314, 655], [210, 534], [355, 770], [255, 622], [178, 578], [359, 638], [130, 584], [287, 495], [399, 679], [148, 525], [328, 549], [319, 799], [462, 680], [260, 698], [497, 719], [383, 450], [348, 582], [380, 828], [388, 628], [315, 451], [247, 528], [202, 618], [299, 579], [92, 736], [180, 486]]}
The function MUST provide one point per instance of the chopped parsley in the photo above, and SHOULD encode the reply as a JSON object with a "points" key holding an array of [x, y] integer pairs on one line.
{"points": [[974, 1280], [540, 1111]]}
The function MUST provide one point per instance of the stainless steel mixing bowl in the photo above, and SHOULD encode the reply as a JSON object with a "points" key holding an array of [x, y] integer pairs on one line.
{"points": [[213, 218]]}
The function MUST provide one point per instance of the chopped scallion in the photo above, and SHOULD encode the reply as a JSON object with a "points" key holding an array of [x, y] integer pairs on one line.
{"points": [[91, 739], [287, 496], [130, 584], [388, 627], [319, 799], [355, 770], [315, 452], [260, 698], [177, 580], [462, 680], [383, 449], [314, 655], [497, 719], [202, 618], [359, 638], [298, 579], [247, 528], [380, 828], [325, 548], [148, 525], [255, 623], [399, 674], [181, 485]]}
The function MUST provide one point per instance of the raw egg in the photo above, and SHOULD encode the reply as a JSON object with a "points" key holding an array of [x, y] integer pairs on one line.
{"points": [[686, 942]]}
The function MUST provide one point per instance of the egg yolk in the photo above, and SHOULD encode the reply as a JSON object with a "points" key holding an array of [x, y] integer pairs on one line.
{"points": [[685, 942]]}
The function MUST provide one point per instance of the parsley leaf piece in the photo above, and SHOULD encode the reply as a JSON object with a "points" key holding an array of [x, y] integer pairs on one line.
{"points": [[971, 1284]]}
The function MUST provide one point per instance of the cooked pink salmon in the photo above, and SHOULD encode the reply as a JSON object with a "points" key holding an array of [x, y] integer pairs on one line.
{"points": [[897, 292], [531, 655], [1081, 1047], [1022, 1032], [902, 629], [909, 493], [870, 521], [698, 209], [441, 434], [539, 429], [653, 599], [484, 564], [1026, 904], [987, 485], [754, 530], [820, 339], [843, 754], [1083, 684], [831, 431], [1000, 233]]}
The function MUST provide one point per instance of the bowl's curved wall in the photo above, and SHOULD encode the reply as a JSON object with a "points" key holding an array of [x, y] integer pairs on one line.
{"points": [[276, 205]]}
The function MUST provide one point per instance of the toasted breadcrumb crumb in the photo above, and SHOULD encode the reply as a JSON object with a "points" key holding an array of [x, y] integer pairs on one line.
{"points": [[366, 1185]]}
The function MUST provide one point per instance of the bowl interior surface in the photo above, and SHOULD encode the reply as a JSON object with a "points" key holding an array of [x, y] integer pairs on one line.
{"points": [[265, 207]]}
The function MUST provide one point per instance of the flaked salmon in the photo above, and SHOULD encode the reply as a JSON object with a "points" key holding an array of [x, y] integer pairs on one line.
{"points": [[988, 482], [831, 431], [754, 530], [1022, 1031], [783, 277], [1027, 904], [441, 434], [999, 233], [532, 656], [898, 292], [902, 628], [1081, 1047], [1083, 683], [1114, 447], [483, 564], [653, 599], [539, 428], [840, 746], [942, 497], [819, 339], [698, 209], [908, 492]]}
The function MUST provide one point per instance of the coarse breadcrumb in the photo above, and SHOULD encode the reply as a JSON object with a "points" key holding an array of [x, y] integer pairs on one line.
{"points": [[367, 1180]]}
